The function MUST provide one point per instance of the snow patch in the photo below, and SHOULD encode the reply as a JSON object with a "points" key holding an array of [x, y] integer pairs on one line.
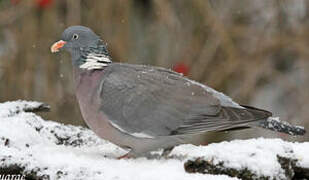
{"points": [[11, 107], [71, 152]]}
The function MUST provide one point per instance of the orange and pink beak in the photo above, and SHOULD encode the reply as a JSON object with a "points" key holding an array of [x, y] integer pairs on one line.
{"points": [[57, 45]]}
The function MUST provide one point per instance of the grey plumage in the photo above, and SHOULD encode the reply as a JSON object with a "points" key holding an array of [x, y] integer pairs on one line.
{"points": [[160, 102], [144, 108]]}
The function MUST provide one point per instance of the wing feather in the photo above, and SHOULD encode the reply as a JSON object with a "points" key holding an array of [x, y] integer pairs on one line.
{"points": [[160, 102]]}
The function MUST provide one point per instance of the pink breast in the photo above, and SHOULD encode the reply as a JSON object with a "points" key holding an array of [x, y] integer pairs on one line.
{"points": [[86, 87]]}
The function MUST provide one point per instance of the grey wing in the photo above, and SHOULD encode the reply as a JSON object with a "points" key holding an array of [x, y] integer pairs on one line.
{"points": [[158, 102]]}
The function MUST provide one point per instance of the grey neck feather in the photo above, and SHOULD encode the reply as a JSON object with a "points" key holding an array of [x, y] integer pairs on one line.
{"points": [[93, 57]]}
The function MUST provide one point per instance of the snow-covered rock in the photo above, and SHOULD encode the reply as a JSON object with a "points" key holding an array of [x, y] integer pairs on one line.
{"points": [[49, 150]]}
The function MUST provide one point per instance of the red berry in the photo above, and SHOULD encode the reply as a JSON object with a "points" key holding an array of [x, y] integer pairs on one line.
{"points": [[181, 68], [44, 3]]}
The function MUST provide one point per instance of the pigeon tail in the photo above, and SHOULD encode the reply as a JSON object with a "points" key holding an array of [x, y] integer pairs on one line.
{"points": [[274, 124]]}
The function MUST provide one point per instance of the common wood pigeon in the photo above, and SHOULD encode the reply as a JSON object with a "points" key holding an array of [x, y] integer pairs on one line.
{"points": [[144, 108]]}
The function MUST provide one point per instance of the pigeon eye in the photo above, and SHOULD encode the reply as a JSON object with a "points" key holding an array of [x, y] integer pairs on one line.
{"points": [[75, 36]]}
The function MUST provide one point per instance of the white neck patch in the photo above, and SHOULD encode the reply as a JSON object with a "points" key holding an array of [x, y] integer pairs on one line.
{"points": [[95, 61]]}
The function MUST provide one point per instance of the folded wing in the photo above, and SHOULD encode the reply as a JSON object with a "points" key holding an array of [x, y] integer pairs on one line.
{"points": [[159, 102]]}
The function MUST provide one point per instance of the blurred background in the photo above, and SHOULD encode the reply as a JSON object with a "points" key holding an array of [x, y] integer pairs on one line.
{"points": [[257, 51]]}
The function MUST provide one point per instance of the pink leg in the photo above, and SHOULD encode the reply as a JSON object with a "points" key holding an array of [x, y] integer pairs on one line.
{"points": [[126, 156]]}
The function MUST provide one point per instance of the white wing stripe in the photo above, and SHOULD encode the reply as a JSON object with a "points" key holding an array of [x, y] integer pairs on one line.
{"points": [[136, 134]]}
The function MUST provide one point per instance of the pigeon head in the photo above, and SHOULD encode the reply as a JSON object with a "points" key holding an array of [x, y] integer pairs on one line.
{"points": [[87, 49]]}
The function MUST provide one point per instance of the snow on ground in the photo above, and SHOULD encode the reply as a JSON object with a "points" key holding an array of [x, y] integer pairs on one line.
{"points": [[258, 155], [70, 152]]}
